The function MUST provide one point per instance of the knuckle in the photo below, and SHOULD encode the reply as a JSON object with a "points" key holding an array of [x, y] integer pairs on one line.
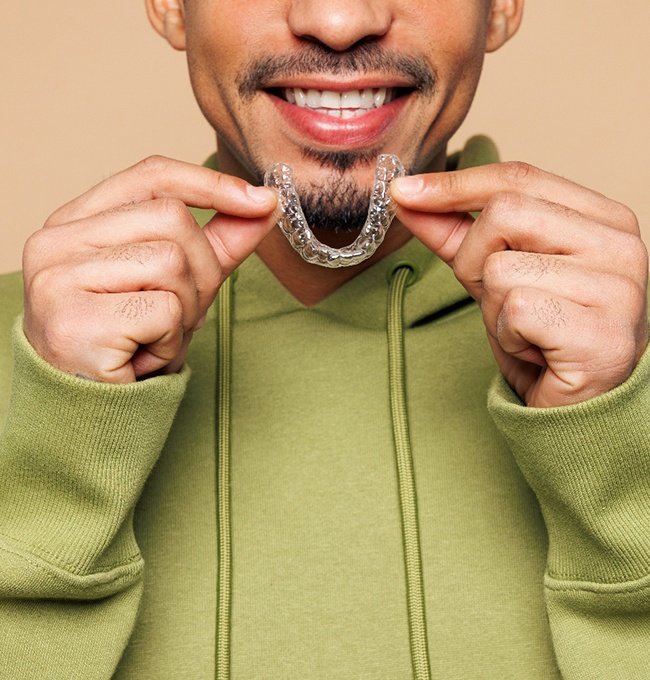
{"points": [[43, 283], [452, 183], [152, 165], [33, 251], [227, 185], [494, 272], [220, 180], [460, 265], [518, 173], [627, 218], [173, 310], [52, 219], [499, 205], [631, 298], [640, 251], [214, 281], [633, 252], [56, 337], [516, 304], [622, 350], [173, 213], [174, 260]]}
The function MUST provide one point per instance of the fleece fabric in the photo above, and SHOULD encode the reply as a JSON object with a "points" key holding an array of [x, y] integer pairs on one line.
{"points": [[534, 524]]}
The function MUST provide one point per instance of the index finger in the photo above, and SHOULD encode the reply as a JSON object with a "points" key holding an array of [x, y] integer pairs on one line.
{"points": [[160, 177], [469, 190]]}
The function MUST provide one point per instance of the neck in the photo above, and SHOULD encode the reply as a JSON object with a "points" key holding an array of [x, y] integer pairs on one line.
{"points": [[309, 283]]}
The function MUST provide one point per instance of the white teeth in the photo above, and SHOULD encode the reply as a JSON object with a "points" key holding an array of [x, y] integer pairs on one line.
{"points": [[380, 97], [367, 99], [351, 100], [331, 100], [301, 97], [314, 99], [339, 104]]}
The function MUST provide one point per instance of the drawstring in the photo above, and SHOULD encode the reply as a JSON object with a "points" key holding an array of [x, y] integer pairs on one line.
{"points": [[403, 459], [224, 585], [406, 482]]}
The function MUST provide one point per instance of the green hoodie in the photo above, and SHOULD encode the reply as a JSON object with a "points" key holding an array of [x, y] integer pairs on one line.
{"points": [[532, 527]]}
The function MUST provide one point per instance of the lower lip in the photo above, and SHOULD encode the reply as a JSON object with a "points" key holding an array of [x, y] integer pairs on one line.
{"points": [[351, 133]]}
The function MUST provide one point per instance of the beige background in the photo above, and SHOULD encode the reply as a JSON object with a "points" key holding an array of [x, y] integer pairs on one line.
{"points": [[88, 89]]}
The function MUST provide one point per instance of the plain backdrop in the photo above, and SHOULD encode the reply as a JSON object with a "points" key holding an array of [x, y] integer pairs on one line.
{"points": [[88, 89]]}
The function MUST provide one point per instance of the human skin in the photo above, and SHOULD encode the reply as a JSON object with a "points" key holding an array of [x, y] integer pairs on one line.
{"points": [[118, 279], [255, 132], [560, 271]]}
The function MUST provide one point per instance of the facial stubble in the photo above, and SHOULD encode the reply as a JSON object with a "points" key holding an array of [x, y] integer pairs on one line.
{"points": [[337, 203]]}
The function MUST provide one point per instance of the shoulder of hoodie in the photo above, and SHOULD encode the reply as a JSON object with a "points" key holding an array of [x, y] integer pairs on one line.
{"points": [[11, 306]]}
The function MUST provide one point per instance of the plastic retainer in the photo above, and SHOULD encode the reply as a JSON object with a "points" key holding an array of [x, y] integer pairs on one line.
{"points": [[293, 224]]}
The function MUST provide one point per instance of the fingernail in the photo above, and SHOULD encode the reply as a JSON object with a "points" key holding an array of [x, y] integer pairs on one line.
{"points": [[260, 195], [408, 187]]}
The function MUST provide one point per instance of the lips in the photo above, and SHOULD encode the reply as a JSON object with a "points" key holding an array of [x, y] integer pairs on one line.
{"points": [[340, 118]]}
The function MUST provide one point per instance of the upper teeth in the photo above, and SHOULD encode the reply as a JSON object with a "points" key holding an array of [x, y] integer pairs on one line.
{"points": [[339, 104]]}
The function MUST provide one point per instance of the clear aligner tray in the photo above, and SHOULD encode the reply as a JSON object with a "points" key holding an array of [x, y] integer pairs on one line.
{"points": [[293, 224]]}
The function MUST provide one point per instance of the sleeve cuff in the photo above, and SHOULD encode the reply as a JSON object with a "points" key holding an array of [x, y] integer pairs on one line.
{"points": [[74, 456], [589, 465]]}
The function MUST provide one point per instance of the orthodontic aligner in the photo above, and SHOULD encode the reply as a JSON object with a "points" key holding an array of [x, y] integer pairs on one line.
{"points": [[293, 224]]}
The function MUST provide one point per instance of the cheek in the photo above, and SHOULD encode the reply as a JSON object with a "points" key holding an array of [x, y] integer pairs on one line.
{"points": [[213, 59], [223, 36]]}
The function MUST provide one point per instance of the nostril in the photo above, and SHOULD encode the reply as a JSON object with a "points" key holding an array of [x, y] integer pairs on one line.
{"points": [[339, 24]]}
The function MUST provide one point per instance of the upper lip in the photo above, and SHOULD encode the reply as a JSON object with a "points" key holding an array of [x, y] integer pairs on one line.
{"points": [[324, 82]]}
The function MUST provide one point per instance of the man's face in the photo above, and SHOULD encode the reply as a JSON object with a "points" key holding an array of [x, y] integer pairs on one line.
{"points": [[327, 85]]}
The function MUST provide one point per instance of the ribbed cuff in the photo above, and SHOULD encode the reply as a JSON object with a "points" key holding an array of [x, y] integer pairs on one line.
{"points": [[74, 456], [589, 465]]}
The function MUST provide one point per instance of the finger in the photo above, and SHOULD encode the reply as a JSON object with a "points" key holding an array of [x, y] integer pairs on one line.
{"points": [[618, 295], [234, 239], [159, 177], [515, 222], [155, 265], [470, 190], [442, 233], [148, 358], [99, 335], [586, 353], [129, 235], [178, 361]]}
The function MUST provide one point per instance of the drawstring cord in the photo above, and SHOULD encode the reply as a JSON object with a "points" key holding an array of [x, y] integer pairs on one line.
{"points": [[224, 559], [403, 459], [406, 481]]}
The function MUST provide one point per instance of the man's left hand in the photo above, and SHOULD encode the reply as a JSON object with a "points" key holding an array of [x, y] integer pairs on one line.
{"points": [[559, 271]]}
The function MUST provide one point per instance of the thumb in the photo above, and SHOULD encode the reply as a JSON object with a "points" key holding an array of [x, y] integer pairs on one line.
{"points": [[233, 239], [443, 233]]}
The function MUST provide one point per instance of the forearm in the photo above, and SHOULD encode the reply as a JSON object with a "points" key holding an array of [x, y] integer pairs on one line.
{"points": [[74, 456], [589, 465]]}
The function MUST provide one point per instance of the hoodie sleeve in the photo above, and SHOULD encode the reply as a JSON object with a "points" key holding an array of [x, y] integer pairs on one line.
{"points": [[589, 465], [74, 456]]}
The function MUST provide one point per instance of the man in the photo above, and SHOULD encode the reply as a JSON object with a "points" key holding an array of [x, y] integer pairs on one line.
{"points": [[337, 490]]}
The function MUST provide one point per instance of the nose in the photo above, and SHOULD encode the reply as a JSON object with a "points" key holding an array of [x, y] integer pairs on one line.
{"points": [[339, 24]]}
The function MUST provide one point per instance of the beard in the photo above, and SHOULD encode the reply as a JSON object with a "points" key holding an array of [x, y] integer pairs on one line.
{"points": [[339, 205]]}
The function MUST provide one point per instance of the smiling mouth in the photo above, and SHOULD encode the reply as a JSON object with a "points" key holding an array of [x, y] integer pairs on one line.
{"points": [[344, 105]]}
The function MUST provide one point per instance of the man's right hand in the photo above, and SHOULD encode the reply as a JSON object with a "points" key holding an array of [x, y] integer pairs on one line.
{"points": [[118, 279]]}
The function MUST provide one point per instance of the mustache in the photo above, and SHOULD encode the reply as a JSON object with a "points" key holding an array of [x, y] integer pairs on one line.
{"points": [[359, 59]]}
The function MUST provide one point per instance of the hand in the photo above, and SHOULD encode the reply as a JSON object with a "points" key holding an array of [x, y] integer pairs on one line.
{"points": [[559, 271], [118, 279]]}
